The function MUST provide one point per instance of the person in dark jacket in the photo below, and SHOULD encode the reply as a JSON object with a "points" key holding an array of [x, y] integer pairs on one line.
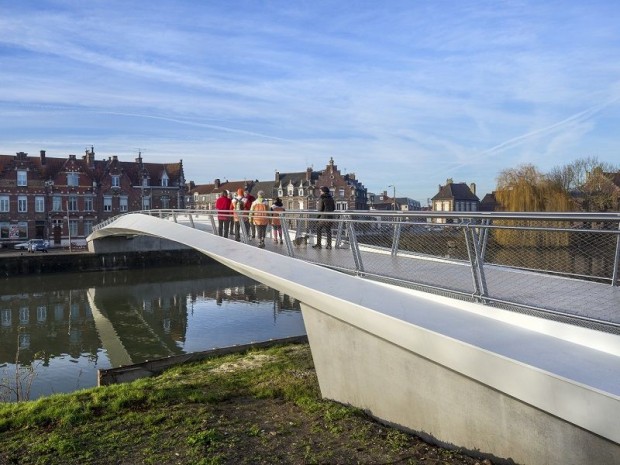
{"points": [[325, 206]]}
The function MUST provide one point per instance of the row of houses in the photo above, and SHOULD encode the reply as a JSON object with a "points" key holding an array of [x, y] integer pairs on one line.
{"points": [[61, 199]]}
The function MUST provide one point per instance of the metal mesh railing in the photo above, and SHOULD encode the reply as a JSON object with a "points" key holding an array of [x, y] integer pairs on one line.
{"points": [[561, 264]]}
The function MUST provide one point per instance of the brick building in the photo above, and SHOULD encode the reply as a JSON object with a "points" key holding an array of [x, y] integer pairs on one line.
{"points": [[61, 199]]}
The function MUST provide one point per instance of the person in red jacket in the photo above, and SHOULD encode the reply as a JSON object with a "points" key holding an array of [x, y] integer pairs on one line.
{"points": [[222, 205]]}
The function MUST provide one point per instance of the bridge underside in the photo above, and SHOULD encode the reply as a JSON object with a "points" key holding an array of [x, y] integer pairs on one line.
{"points": [[512, 387]]}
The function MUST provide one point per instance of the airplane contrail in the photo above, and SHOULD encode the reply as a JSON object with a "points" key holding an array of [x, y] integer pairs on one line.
{"points": [[581, 116]]}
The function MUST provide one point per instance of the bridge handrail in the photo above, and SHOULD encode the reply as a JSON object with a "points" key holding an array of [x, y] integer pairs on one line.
{"points": [[474, 249]]}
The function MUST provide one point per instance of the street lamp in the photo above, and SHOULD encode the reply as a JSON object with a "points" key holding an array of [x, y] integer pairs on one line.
{"points": [[393, 196]]}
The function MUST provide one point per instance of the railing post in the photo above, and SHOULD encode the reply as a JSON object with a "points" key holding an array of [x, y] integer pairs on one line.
{"points": [[396, 238], [355, 249], [614, 277], [484, 237], [477, 271], [339, 232], [212, 219], [286, 236]]}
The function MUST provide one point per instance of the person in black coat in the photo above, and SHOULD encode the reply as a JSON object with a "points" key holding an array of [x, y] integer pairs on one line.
{"points": [[325, 206]]}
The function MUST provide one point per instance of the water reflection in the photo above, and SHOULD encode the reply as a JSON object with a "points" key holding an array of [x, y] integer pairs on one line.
{"points": [[69, 326]]}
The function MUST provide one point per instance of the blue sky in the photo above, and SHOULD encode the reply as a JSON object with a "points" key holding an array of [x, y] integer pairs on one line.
{"points": [[401, 93]]}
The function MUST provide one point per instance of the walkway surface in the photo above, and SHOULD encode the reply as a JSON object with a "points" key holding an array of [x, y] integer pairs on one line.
{"points": [[558, 296]]}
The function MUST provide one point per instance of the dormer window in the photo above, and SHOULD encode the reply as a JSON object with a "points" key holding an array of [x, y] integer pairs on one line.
{"points": [[116, 180], [73, 179], [164, 180], [291, 190], [145, 182], [280, 192], [301, 191]]}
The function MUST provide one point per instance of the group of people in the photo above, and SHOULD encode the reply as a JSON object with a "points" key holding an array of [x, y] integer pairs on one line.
{"points": [[255, 215]]}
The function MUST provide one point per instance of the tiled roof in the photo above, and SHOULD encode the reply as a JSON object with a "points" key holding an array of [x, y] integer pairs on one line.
{"points": [[456, 191]]}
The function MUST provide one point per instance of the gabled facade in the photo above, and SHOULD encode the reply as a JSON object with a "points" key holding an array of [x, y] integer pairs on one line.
{"points": [[457, 197], [348, 192], [61, 199]]}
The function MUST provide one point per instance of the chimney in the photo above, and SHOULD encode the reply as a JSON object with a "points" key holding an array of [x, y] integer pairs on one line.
{"points": [[90, 157], [308, 174], [472, 186], [114, 157], [217, 183], [277, 176], [42, 153]]}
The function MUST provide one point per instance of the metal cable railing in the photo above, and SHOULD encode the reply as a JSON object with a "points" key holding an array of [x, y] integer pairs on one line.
{"points": [[564, 265]]}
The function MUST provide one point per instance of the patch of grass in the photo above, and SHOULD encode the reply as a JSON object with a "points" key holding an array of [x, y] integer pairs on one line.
{"points": [[259, 407]]}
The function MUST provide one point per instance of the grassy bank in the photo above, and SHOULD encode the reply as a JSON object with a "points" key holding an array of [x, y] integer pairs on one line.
{"points": [[259, 407]]}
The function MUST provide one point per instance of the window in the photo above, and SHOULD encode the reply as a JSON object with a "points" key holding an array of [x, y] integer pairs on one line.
{"points": [[24, 315], [165, 202], [4, 203], [56, 203], [291, 190], [88, 227], [145, 182], [88, 203], [73, 179], [73, 228], [22, 178], [5, 317], [164, 180], [22, 204], [116, 181], [341, 192], [41, 314], [342, 205], [107, 203], [39, 204], [123, 203], [300, 192], [280, 192], [72, 203], [146, 203]]}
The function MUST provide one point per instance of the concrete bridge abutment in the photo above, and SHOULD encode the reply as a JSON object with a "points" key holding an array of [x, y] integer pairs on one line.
{"points": [[412, 392]]}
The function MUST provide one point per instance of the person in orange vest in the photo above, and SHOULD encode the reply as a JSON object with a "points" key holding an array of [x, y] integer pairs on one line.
{"points": [[259, 218], [276, 220]]}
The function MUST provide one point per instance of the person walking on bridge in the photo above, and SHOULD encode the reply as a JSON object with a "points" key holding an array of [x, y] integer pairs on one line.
{"points": [[325, 206], [276, 220], [237, 206], [222, 205], [259, 218]]}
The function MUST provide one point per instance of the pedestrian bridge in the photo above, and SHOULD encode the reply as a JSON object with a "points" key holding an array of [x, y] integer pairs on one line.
{"points": [[497, 334]]}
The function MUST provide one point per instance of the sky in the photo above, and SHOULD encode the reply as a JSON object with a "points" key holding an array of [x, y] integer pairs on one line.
{"points": [[404, 94]]}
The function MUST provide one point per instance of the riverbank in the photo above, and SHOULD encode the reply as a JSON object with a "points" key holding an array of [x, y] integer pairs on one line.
{"points": [[257, 407]]}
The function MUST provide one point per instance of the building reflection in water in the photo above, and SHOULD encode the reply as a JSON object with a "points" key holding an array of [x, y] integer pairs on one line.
{"points": [[69, 326]]}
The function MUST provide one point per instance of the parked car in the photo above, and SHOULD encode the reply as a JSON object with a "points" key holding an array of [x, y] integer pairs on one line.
{"points": [[37, 245], [21, 246]]}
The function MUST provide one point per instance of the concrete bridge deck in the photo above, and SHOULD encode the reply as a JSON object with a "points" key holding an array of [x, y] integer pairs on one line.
{"points": [[496, 383]]}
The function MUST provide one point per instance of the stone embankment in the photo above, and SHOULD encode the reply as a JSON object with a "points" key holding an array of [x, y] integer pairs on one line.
{"points": [[17, 263]]}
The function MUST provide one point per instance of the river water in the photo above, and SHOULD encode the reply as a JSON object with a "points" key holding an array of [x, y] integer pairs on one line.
{"points": [[63, 328]]}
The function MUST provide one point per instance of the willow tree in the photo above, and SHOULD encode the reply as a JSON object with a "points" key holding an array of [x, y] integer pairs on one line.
{"points": [[525, 189]]}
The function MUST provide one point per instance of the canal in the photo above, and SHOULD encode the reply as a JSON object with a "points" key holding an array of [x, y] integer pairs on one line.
{"points": [[62, 328]]}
